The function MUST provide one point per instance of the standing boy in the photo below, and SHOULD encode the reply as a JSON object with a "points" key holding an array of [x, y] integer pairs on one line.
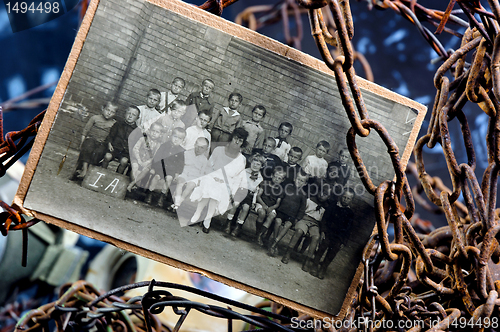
{"points": [[149, 113], [336, 224], [292, 167], [255, 130], [141, 156], [199, 129], [166, 98], [172, 119], [226, 120], [201, 100], [339, 169], [315, 165], [282, 146]]}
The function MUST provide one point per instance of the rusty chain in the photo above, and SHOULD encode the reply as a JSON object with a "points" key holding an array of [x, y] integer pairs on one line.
{"points": [[445, 275], [451, 268], [256, 17], [15, 145]]}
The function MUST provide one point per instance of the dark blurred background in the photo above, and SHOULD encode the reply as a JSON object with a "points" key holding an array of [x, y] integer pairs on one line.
{"points": [[400, 58]]}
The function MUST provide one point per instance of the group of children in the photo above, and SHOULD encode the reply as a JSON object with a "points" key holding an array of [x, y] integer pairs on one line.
{"points": [[293, 198], [166, 143]]}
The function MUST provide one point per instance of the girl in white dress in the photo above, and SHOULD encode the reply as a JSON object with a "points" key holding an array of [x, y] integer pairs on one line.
{"points": [[218, 187]]}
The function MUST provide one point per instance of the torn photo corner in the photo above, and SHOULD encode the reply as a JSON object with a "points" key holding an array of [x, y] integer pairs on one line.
{"points": [[185, 138]]}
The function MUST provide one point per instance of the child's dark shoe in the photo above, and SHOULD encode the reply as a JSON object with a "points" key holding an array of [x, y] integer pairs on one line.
{"points": [[273, 251], [314, 271], [236, 230], [149, 198], [305, 265], [161, 201], [321, 273], [285, 258], [261, 233], [206, 230], [227, 230], [74, 177]]}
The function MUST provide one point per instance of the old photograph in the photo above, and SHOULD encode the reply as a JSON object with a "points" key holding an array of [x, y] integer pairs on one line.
{"points": [[187, 137]]}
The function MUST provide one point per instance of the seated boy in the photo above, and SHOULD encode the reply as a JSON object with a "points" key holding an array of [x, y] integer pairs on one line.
{"points": [[272, 160], [291, 210], [141, 156], [309, 224], [117, 140], [269, 196], [92, 147], [168, 163], [249, 188], [336, 225], [195, 166]]}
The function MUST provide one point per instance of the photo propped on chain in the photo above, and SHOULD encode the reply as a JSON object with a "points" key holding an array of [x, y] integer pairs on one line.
{"points": [[179, 136]]}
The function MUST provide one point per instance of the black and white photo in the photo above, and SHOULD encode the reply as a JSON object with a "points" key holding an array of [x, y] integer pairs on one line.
{"points": [[186, 138]]}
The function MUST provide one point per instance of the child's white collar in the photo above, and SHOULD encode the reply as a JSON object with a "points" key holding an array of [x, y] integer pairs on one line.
{"points": [[227, 111]]}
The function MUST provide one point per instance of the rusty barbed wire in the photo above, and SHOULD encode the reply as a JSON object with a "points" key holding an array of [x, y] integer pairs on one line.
{"points": [[444, 275], [82, 307]]}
